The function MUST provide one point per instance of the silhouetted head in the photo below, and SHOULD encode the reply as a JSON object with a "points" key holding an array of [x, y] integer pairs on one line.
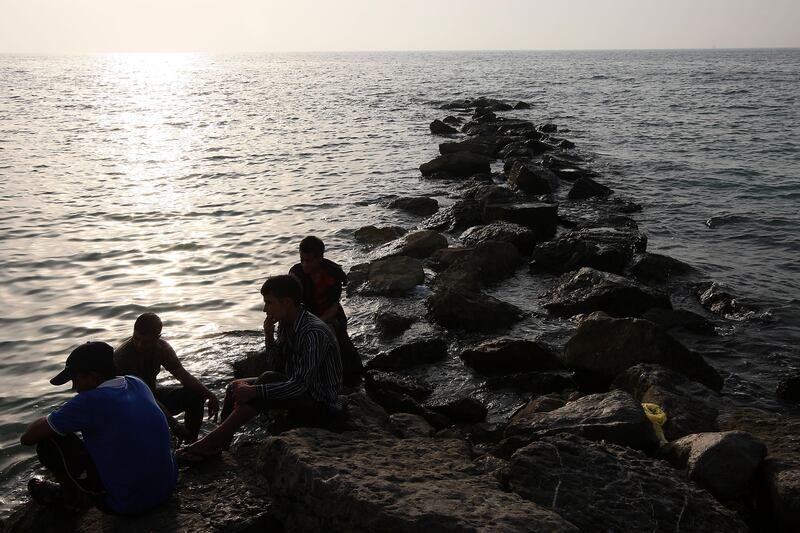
{"points": [[282, 296], [88, 366], [312, 249], [146, 332]]}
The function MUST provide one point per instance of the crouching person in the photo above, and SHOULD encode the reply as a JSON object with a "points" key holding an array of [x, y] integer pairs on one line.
{"points": [[307, 370], [124, 463]]}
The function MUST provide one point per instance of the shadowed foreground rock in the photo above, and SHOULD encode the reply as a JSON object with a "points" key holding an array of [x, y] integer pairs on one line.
{"points": [[603, 487], [322, 481]]}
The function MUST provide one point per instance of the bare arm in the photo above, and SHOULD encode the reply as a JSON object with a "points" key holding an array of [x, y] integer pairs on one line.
{"points": [[38, 431], [170, 361]]}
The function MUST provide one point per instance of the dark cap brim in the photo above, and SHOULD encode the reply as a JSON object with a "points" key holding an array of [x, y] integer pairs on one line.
{"points": [[62, 377]]}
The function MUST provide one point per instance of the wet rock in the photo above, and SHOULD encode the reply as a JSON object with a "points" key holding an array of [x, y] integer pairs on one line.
{"points": [[612, 417], [516, 150], [408, 355], [485, 263], [522, 105], [465, 410], [532, 180], [723, 463], [564, 144], [589, 290], [537, 148], [656, 267], [690, 406], [780, 471], [535, 382], [585, 187], [322, 481], [457, 217], [541, 404], [253, 365], [510, 355], [680, 319], [605, 347], [714, 298], [485, 146], [542, 218], [508, 127], [603, 487], [393, 276], [788, 389], [567, 170], [376, 380], [459, 164], [443, 258], [493, 194], [548, 128], [391, 324], [482, 113], [416, 205], [452, 121], [470, 310], [607, 248], [374, 236], [419, 245], [524, 239], [440, 128], [407, 425]]}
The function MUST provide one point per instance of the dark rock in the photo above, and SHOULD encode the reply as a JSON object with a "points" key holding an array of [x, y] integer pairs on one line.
{"points": [[485, 146], [607, 248], [603, 487], [714, 298], [565, 169], [690, 406], [376, 380], [253, 365], [535, 382], [393, 276], [364, 415], [564, 144], [521, 237], [506, 127], [606, 346], [612, 417], [522, 105], [670, 319], [443, 258], [723, 463], [657, 267], [391, 324], [465, 410], [419, 245], [548, 128], [515, 150], [487, 262], [493, 194], [408, 355], [780, 471], [510, 355], [587, 188], [417, 205], [788, 389], [470, 310], [589, 290], [407, 425], [440, 128], [452, 121], [540, 404], [374, 236], [457, 217], [482, 113], [542, 218], [537, 147], [531, 180], [322, 481], [459, 164]]}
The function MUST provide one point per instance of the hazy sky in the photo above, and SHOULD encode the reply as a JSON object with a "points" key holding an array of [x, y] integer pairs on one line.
{"points": [[70, 26]]}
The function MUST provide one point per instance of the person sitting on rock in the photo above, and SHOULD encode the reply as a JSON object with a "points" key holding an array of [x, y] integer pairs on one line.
{"points": [[124, 463], [306, 375], [143, 355], [322, 282]]}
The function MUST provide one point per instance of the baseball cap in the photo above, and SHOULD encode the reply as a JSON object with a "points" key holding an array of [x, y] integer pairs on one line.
{"points": [[90, 357]]}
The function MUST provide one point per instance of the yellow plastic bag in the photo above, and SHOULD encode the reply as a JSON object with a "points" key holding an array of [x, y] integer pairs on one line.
{"points": [[658, 418]]}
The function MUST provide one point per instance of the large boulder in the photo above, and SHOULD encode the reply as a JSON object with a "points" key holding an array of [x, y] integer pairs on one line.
{"points": [[602, 487], [458, 164], [612, 417], [377, 381], [471, 310], [605, 347], [780, 471], [680, 319], [589, 290], [456, 217], [690, 406], [322, 481], [465, 410], [440, 128], [510, 355], [486, 146], [408, 355], [607, 248], [723, 463], [490, 194], [485, 263], [416, 205], [531, 179], [390, 324], [716, 299], [374, 236], [418, 244], [393, 276], [585, 187], [542, 218], [656, 267], [524, 239]]}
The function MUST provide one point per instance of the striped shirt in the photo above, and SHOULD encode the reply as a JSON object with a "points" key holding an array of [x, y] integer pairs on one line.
{"points": [[311, 361]]}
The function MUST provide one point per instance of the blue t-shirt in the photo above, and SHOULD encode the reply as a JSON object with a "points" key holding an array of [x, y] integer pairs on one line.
{"points": [[128, 439]]}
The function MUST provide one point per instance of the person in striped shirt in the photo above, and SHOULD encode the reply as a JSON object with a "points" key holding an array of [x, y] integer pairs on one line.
{"points": [[305, 375]]}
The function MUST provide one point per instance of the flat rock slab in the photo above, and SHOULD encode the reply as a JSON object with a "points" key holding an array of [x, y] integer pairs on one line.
{"points": [[510, 355], [220, 495], [323, 481], [393, 276], [602, 487]]}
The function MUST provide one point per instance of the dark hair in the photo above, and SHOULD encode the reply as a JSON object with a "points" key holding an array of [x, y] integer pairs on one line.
{"points": [[283, 286], [148, 324], [312, 245]]}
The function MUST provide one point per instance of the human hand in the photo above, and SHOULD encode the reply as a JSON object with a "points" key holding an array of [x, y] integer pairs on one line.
{"points": [[244, 393], [269, 329], [213, 408]]}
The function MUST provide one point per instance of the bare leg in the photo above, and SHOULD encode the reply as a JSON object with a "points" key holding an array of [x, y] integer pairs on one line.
{"points": [[221, 437], [193, 418]]}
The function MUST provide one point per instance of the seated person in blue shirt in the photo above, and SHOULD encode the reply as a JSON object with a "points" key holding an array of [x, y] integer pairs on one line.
{"points": [[123, 464], [306, 376]]}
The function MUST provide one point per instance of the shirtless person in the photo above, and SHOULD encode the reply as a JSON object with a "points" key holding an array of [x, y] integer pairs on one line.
{"points": [[143, 355]]}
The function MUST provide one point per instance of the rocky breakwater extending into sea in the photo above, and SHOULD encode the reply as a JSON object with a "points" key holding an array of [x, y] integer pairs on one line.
{"points": [[579, 453]]}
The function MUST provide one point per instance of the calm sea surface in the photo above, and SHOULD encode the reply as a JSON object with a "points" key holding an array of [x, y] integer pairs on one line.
{"points": [[177, 183]]}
